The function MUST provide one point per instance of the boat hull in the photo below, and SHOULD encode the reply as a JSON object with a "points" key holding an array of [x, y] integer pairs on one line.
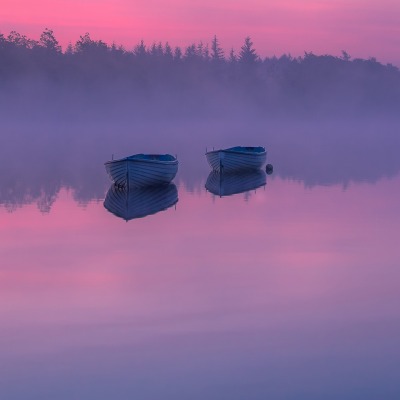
{"points": [[227, 160], [230, 183], [138, 202], [139, 173]]}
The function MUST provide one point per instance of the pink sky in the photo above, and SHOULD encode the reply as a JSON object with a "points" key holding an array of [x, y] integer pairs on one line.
{"points": [[363, 28]]}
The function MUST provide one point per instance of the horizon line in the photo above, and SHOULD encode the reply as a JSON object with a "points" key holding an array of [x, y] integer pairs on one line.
{"points": [[125, 47]]}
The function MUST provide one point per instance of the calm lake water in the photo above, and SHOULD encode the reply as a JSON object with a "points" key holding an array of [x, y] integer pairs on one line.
{"points": [[287, 291]]}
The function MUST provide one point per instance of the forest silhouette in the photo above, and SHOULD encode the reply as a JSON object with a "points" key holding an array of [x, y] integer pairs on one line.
{"points": [[198, 79]]}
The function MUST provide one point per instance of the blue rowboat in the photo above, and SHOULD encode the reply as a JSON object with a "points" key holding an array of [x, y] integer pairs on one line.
{"points": [[143, 170], [237, 158]]}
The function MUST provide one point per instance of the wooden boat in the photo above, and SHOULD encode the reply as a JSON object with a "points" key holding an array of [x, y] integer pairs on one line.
{"points": [[237, 158], [138, 202], [230, 183], [143, 169]]}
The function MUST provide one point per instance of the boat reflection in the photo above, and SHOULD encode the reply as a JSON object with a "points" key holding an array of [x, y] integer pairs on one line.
{"points": [[132, 203], [228, 184]]}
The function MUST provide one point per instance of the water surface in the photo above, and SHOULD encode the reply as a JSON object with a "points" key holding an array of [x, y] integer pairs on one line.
{"points": [[287, 291]]}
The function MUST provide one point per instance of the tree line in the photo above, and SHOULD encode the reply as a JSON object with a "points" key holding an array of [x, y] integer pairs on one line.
{"points": [[200, 71]]}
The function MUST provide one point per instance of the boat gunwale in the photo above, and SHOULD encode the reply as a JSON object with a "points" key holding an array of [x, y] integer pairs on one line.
{"points": [[237, 151], [143, 160]]}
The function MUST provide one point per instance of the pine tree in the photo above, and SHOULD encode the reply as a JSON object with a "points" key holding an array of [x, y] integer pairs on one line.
{"points": [[168, 51], [177, 54], [232, 57], [70, 50], [217, 54], [140, 50], [247, 53], [345, 56]]}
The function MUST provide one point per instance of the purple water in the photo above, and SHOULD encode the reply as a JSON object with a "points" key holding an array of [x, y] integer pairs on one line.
{"points": [[288, 291]]}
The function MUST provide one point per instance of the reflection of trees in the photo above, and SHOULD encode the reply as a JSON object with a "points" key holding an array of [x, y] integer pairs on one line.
{"points": [[337, 153], [44, 193], [19, 193], [38, 163]]}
